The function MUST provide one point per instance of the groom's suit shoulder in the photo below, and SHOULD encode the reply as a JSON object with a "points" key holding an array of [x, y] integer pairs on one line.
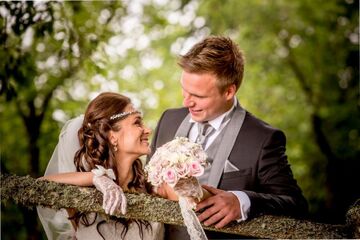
{"points": [[255, 131], [253, 123], [175, 114], [171, 119], [174, 117], [167, 126]]}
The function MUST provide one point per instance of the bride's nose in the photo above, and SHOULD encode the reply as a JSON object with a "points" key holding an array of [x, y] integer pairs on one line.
{"points": [[147, 130]]}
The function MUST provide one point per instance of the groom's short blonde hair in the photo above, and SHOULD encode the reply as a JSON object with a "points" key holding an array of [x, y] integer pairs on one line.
{"points": [[216, 55]]}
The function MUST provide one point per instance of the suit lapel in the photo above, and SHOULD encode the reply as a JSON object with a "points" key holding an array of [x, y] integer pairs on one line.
{"points": [[228, 141], [184, 127]]}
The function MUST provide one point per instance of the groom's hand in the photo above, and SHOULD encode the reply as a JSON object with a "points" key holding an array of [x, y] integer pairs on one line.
{"points": [[220, 209]]}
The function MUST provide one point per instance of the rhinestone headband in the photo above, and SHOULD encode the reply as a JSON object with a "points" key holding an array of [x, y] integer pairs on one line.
{"points": [[123, 114]]}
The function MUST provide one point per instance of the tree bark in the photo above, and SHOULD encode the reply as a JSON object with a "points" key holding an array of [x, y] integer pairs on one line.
{"points": [[28, 191]]}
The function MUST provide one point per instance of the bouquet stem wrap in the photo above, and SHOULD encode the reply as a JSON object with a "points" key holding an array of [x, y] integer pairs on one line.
{"points": [[190, 191], [191, 221]]}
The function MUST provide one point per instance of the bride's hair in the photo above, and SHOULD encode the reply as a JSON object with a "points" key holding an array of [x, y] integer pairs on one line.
{"points": [[96, 149]]}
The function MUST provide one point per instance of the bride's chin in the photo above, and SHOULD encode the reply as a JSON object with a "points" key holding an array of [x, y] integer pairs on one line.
{"points": [[145, 151], [148, 151]]}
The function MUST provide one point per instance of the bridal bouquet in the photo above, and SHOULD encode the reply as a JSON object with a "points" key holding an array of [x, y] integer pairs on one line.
{"points": [[175, 160], [178, 163]]}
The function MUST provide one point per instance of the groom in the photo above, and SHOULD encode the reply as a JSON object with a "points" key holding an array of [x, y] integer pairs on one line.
{"points": [[249, 171]]}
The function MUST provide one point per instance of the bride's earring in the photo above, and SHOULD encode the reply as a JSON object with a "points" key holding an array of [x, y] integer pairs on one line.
{"points": [[115, 147], [114, 142]]}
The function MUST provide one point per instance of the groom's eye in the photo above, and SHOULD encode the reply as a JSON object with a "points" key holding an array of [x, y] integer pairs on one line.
{"points": [[199, 96]]}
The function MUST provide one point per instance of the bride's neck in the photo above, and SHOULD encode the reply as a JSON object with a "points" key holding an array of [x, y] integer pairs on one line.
{"points": [[125, 172]]}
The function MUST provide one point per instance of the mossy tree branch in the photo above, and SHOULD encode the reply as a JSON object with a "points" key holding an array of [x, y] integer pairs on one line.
{"points": [[30, 192]]}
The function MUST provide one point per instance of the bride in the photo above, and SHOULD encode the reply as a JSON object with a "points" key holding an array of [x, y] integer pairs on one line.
{"points": [[112, 137]]}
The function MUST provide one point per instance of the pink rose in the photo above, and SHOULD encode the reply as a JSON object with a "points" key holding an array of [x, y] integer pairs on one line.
{"points": [[182, 169], [154, 179], [196, 169], [170, 177]]}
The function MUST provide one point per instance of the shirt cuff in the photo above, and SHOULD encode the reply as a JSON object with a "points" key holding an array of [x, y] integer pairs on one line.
{"points": [[245, 204]]}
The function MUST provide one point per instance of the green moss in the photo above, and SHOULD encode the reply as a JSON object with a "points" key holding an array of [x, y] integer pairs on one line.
{"points": [[31, 192]]}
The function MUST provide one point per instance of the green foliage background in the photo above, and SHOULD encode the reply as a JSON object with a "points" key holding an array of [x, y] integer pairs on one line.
{"points": [[301, 75]]}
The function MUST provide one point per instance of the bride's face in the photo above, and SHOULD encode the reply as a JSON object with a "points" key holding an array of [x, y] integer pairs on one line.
{"points": [[133, 136]]}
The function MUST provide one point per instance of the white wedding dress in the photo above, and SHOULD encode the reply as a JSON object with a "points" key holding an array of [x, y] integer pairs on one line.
{"points": [[56, 223]]}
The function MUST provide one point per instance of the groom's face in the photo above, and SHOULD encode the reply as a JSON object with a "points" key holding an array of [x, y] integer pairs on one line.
{"points": [[202, 96]]}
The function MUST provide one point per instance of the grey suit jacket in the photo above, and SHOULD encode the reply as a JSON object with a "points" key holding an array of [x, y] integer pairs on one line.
{"points": [[259, 154]]}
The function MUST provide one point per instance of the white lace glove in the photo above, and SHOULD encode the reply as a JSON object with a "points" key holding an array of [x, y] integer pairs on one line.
{"points": [[113, 196]]}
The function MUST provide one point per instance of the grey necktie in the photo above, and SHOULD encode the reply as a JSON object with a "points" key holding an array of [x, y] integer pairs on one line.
{"points": [[205, 131]]}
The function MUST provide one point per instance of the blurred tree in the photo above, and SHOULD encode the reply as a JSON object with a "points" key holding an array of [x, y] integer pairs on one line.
{"points": [[302, 75]]}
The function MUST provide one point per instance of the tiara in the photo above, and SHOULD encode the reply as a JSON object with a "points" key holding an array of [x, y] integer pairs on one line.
{"points": [[123, 114]]}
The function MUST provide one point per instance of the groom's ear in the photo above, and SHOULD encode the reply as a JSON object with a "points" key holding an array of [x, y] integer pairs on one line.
{"points": [[230, 91]]}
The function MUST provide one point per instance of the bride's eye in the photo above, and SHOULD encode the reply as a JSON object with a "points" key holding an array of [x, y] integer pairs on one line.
{"points": [[139, 123]]}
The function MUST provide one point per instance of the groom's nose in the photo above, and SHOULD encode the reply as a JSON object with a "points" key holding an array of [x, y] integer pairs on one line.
{"points": [[187, 101]]}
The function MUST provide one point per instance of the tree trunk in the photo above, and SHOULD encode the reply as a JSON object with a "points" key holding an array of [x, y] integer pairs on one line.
{"points": [[32, 192], [32, 122]]}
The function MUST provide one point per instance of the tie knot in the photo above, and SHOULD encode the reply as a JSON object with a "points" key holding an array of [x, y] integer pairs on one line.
{"points": [[204, 128], [204, 131]]}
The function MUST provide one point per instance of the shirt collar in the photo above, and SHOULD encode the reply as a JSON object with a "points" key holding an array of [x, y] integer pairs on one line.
{"points": [[216, 122]]}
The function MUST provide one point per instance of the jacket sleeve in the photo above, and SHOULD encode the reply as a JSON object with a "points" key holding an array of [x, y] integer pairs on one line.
{"points": [[277, 191]]}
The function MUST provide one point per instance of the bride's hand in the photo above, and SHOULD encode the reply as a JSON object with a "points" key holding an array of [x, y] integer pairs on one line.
{"points": [[113, 196], [165, 191]]}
